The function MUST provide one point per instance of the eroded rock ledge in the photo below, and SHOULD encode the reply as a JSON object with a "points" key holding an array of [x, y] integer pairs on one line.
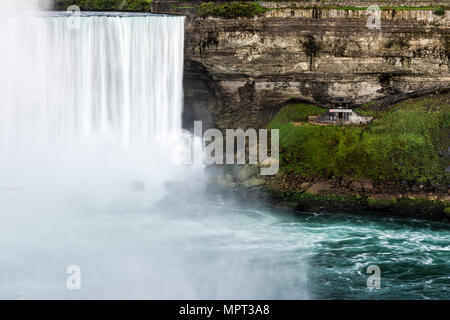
{"points": [[246, 68], [240, 71]]}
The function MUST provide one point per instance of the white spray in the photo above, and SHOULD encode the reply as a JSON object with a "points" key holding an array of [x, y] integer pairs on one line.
{"points": [[25, 4], [88, 118]]}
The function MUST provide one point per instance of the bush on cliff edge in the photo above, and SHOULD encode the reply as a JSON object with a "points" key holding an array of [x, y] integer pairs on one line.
{"points": [[231, 10], [106, 5]]}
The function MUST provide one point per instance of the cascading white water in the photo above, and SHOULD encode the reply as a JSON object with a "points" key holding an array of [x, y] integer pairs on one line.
{"points": [[82, 113], [89, 118], [90, 113], [89, 104], [70, 80]]}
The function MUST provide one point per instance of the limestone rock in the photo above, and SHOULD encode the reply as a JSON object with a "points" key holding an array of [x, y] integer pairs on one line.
{"points": [[367, 185], [421, 196], [356, 186], [320, 186], [270, 162], [243, 173], [432, 197], [253, 182], [260, 63], [225, 183], [304, 185], [345, 182]]}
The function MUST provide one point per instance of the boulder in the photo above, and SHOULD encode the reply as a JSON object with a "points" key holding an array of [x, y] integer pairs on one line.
{"points": [[421, 196], [345, 182], [356, 185], [367, 185], [225, 183], [253, 182], [432, 197], [304, 185], [319, 187], [417, 196], [269, 162], [382, 200], [244, 173], [410, 196]]}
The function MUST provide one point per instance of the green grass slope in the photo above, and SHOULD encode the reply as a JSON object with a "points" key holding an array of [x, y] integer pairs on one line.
{"points": [[407, 142]]}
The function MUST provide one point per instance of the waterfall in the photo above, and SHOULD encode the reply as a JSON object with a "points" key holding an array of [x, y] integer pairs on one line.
{"points": [[90, 104], [100, 77]]}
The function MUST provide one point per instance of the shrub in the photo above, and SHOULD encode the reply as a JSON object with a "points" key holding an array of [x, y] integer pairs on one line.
{"points": [[439, 12], [295, 112], [106, 5], [231, 10]]}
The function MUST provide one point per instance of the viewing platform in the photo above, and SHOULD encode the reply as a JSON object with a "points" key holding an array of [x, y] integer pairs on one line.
{"points": [[340, 114]]}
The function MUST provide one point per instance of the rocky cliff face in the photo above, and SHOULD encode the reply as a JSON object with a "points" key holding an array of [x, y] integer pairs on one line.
{"points": [[242, 70]]}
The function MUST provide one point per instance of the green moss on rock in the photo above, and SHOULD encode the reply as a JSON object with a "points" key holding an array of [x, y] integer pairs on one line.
{"points": [[304, 201]]}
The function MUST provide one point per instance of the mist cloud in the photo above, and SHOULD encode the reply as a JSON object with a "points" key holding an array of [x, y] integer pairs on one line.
{"points": [[25, 4]]}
